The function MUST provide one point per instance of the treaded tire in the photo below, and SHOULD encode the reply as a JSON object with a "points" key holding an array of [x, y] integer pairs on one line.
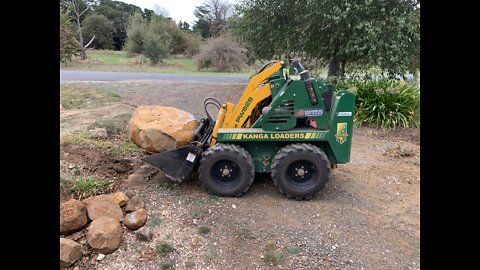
{"points": [[311, 159], [233, 158]]}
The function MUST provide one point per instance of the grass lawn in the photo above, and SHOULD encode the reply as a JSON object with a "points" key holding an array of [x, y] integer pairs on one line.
{"points": [[119, 61]]}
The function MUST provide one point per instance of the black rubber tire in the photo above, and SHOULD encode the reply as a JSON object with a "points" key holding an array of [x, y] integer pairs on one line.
{"points": [[286, 160], [237, 159]]}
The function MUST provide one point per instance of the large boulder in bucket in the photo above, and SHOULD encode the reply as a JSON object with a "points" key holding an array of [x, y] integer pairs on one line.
{"points": [[157, 128]]}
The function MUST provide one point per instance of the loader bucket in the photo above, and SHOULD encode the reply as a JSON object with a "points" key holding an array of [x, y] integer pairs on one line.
{"points": [[176, 164]]}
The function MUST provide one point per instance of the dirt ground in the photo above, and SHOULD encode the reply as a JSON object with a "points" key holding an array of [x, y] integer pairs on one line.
{"points": [[367, 217]]}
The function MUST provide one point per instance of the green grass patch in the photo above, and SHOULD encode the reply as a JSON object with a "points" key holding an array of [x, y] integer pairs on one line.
{"points": [[272, 254], [204, 230], [385, 104], [170, 186], [83, 96], [195, 213], [85, 187], [245, 233], [127, 148], [154, 220], [213, 198], [164, 249], [293, 250], [166, 266], [85, 139], [120, 61], [113, 125]]}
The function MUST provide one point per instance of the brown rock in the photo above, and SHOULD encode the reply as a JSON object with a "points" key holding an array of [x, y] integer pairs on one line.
{"points": [[70, 251], [159, 128], [135, 219], [144, 234], [135, 203], [120, 198], [73, 216], [101, 206], [104, 234]]}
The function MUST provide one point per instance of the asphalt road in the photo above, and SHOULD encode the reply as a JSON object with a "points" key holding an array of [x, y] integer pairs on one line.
{"points": [[75, 75]]}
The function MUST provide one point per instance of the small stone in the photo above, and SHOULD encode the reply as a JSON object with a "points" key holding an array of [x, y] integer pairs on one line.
{"points": [[99, 133], [119, 168], [135, 219], [334, 247], [100, 257], [129, 193], [144, 234], [120, 198], [135, 203], [70, 251], [234, 206]]}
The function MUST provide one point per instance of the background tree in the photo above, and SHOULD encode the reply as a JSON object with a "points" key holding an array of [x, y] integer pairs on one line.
{"points": [[382, 33], [212, 18], [136, 34], [147, 14], [372, 32], [101, 28], [119, 14], [271, 28], [78, 9], [68, 46]]}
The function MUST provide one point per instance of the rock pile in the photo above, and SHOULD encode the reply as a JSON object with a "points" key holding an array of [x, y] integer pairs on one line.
{"points": [[104, 233]]}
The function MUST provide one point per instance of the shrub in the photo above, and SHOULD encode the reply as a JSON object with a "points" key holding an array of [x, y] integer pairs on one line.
{"points": [[221, 55], [154, 50], [135, 35], [384, 103]]}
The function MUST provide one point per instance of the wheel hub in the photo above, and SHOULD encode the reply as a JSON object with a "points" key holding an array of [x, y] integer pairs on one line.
{"points": [[226, 172], [301, 172]]}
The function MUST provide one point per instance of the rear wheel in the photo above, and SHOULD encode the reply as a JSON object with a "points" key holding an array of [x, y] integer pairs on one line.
{"points": [[300, 170], [226, 170]]}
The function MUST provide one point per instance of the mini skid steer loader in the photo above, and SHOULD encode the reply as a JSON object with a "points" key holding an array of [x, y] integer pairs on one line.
{"points": [[286, 124]]}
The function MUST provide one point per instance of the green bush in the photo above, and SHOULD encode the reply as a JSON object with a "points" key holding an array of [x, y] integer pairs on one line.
{"points": [[384, 103], [153, 48]]}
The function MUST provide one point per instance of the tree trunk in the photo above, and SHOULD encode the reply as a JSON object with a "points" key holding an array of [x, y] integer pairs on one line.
{"points": [[80, 39], [80, 36], [333, 66], [342, 69]]}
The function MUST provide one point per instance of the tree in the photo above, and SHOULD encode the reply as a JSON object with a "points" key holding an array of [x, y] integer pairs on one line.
{"points": [[79, 8], [184, 26], [366, 32], [147, 14], [271, 28], [101, 28], [119, 14], [68, 46], [136, 34], [372, 32], [212, 18], [153, 48]]}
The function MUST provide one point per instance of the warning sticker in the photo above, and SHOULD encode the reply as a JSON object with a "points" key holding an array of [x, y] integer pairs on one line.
{"points": [[191, 157]]}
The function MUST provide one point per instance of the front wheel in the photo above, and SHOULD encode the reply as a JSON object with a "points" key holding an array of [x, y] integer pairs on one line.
{"points": [[300, 170], [226, 170]]}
